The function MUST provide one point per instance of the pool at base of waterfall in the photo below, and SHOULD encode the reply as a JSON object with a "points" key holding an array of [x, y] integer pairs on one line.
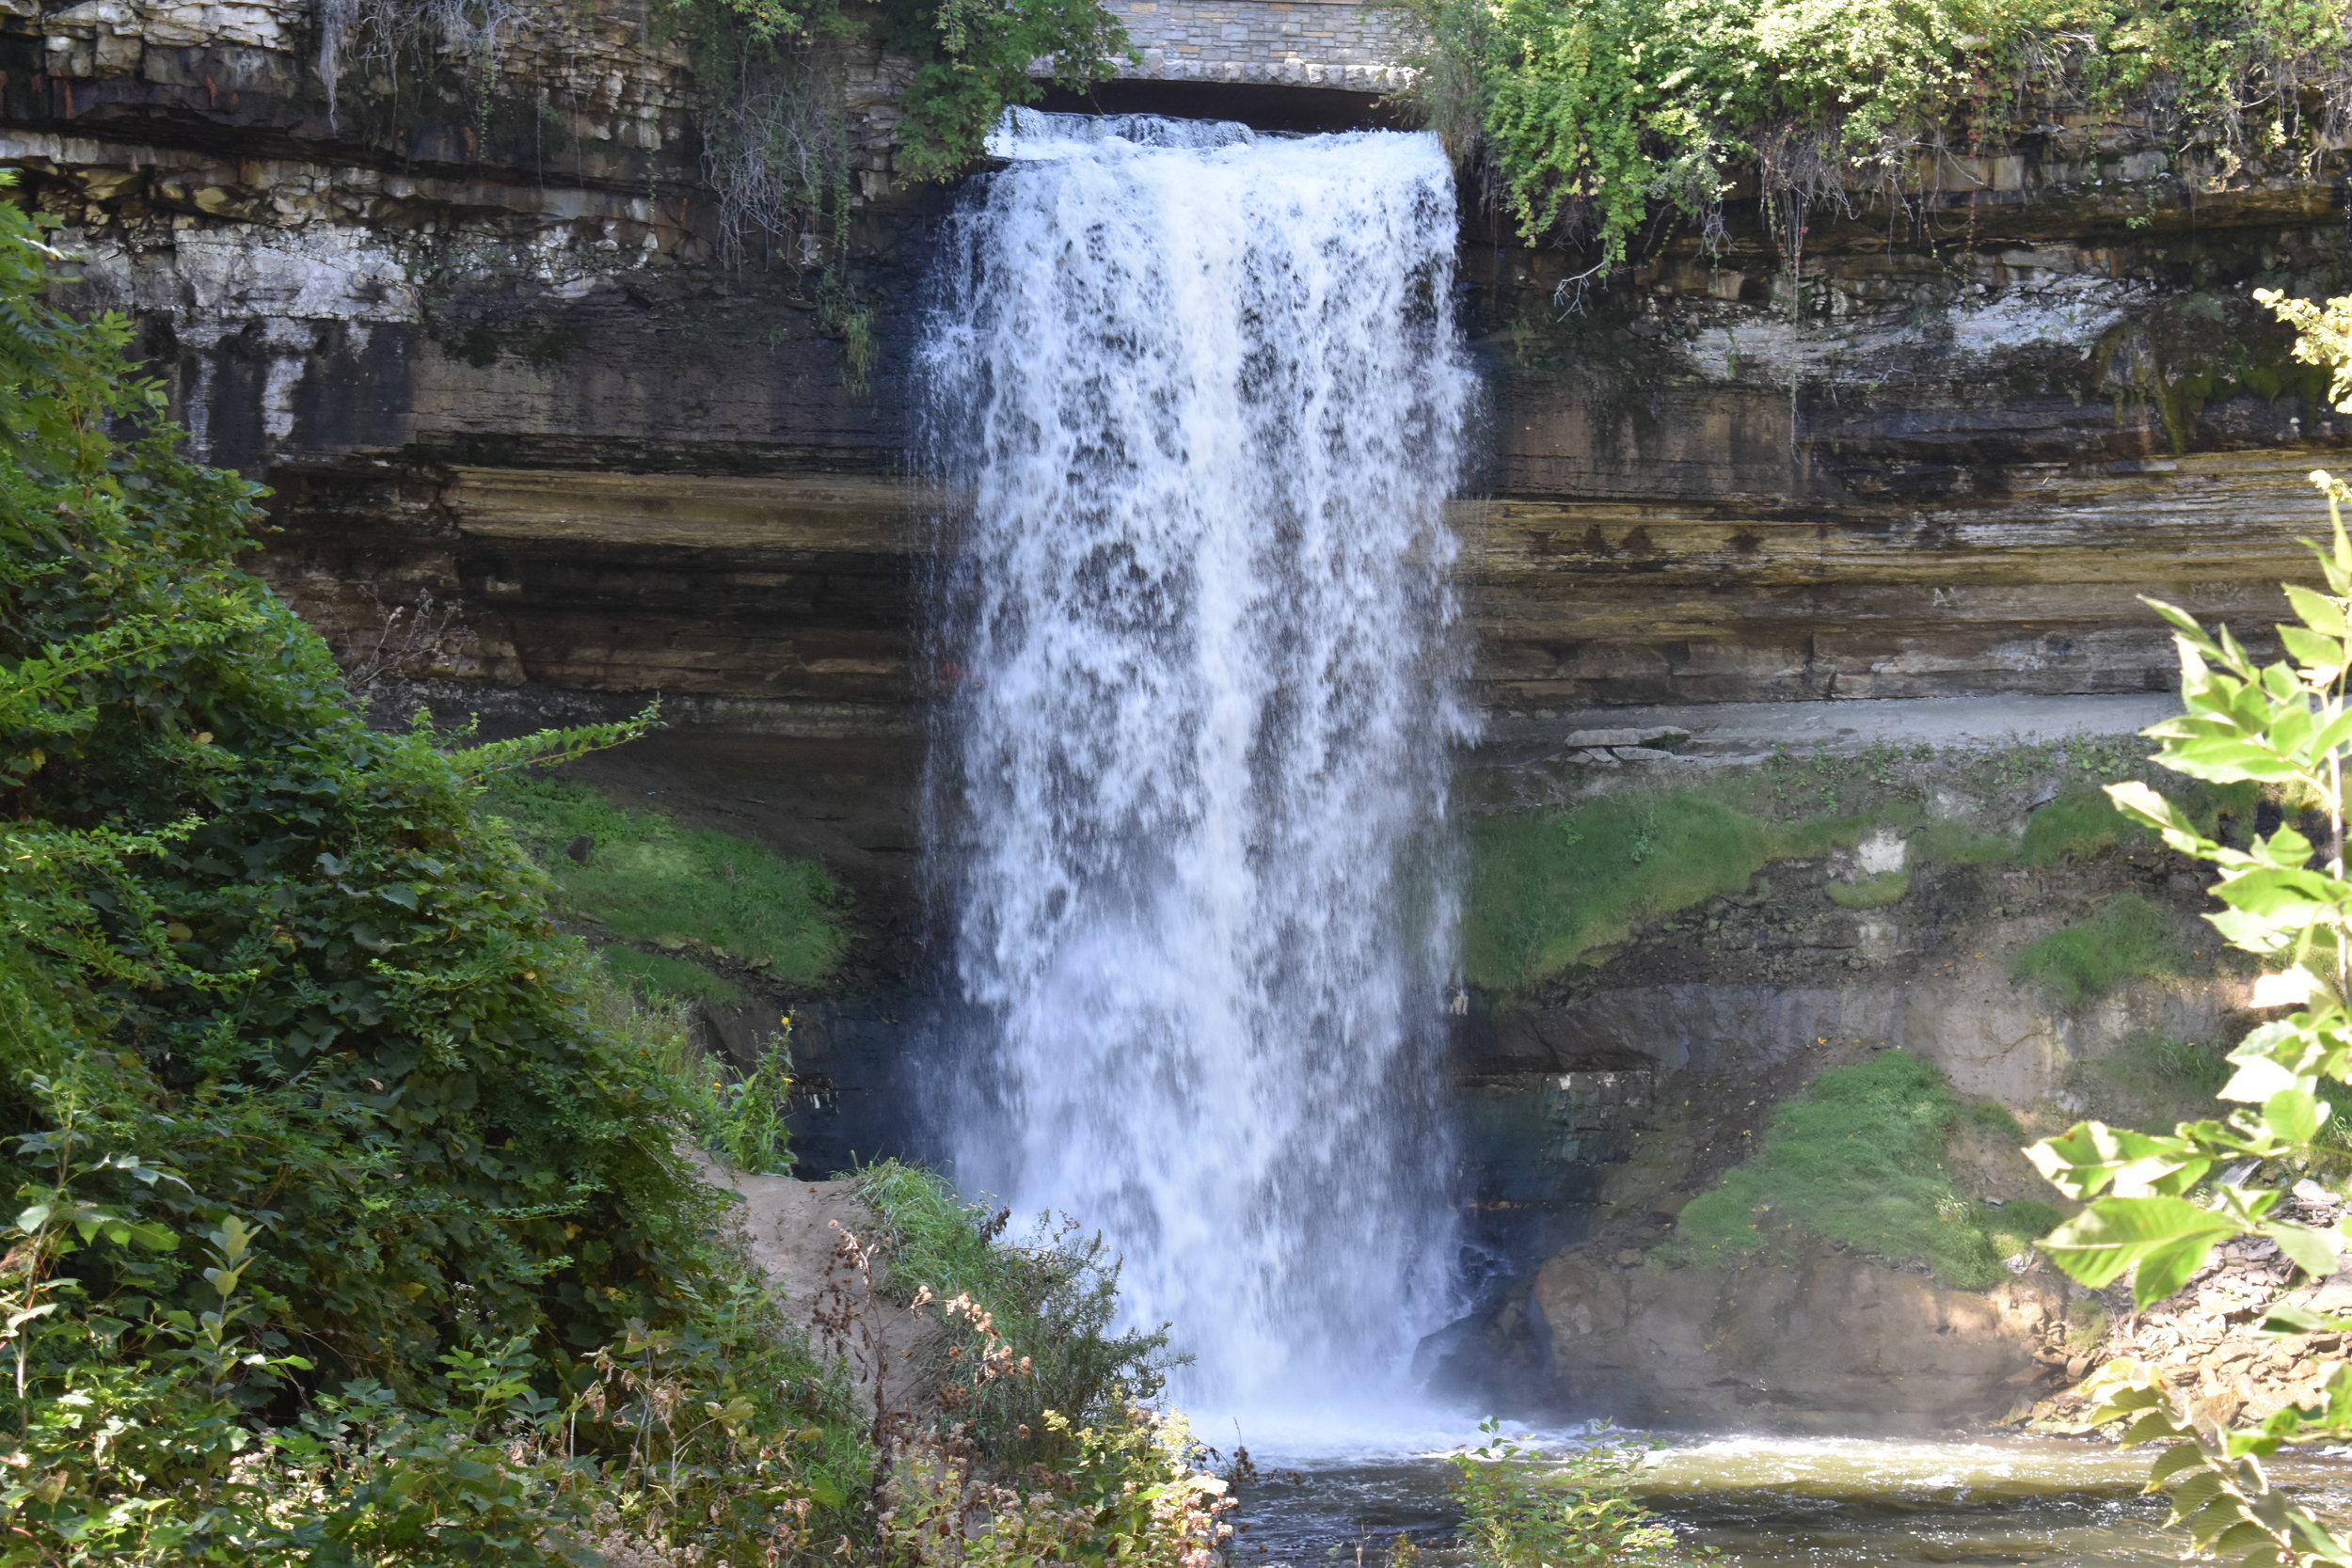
{"points": [[1778, 1502]]}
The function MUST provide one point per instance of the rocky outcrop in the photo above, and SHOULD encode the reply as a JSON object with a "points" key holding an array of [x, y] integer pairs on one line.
{"points": [[1823, 1343], [1597, 1109], [821, 1248], [2205, 1340], [1940, 452]]}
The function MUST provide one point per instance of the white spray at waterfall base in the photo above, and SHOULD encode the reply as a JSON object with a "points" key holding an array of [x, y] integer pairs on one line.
{"points": [[1199, 400]]}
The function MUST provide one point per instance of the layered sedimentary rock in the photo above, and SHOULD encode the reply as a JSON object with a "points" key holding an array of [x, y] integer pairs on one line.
{"points": [[1939, 451]]}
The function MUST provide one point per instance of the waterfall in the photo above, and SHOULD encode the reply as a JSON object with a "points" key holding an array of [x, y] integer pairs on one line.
{"points": [[1196, 399]]}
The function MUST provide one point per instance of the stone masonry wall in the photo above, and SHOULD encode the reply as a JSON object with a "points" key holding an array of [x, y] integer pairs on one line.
{"points": [[1310, 43]]}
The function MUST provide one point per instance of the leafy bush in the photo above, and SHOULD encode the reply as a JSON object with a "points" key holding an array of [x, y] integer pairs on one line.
{"points": [[333, 1193], [652, 881], [1052, 1297], [971, 59], [1860, 1159], [1131, 1489], [2126, 939], [1525, 1509], [1596, 116]]}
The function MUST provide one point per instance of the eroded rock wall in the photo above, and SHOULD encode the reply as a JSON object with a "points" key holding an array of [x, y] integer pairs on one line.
{"points": [[1597, 1105], [1939, 451]]}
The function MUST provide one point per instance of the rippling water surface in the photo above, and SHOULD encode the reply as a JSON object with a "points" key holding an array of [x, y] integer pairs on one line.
{"points": [[1782, 1502]]}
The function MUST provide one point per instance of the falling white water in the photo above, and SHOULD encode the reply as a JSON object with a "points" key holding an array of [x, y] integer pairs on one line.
{"points": [[1198, 398]]}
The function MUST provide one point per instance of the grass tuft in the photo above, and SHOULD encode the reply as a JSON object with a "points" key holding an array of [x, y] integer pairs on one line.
{"points": [[2126, 939], [2079, 823], [660, 976], [1860, 1159], [1545, 889], [655, 884]]}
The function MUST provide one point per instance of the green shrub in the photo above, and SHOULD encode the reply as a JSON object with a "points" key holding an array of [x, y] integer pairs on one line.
{"points": [[1859, 1159], [1599, 116], [652, 881], [331, 1193], [738, 1117], [1052, 1296], [2128, 938], [1522, 1509]]}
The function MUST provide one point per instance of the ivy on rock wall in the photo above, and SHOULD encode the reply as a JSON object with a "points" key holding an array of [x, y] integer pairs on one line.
{"points": [[1598, 118], [972, 59]]}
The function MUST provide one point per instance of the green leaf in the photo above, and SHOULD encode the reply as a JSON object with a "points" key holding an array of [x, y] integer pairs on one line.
{"points": [[2179, 1457], [2154, 1427], [2194, 1492], [2116, 1234], [2321, 655], [2313, 1251], [2231, 762], [2165, 1269], [2334, 738], [2285, 1318], [2293, 1116], [2261, 1079], [2184, 622], [2317, 612]]}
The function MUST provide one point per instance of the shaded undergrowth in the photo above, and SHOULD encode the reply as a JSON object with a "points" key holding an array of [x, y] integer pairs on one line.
{"points": [[1050, 1296]]}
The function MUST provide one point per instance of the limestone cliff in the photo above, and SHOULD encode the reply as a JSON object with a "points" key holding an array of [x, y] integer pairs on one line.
{"points": [[469, 316]]}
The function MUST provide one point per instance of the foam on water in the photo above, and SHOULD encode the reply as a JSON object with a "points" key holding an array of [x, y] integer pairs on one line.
{"points": [[1199, 398]]}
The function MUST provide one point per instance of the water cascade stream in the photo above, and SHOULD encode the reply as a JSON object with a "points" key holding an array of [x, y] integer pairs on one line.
{"points": [[1199, 400]]}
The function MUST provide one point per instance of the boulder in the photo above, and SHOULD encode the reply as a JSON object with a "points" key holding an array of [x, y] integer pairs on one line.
{"points": [[1824, 1342]]}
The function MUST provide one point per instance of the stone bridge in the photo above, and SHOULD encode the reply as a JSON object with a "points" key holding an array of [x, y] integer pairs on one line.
{"points": [[1331, 45]]}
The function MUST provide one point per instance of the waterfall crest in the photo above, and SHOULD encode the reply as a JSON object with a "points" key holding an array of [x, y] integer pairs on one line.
{"points": [[1200, 400]]}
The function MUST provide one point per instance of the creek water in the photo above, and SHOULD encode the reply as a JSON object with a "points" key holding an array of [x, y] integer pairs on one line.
{"points": [[1197, 400], [1986, 1502]]}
